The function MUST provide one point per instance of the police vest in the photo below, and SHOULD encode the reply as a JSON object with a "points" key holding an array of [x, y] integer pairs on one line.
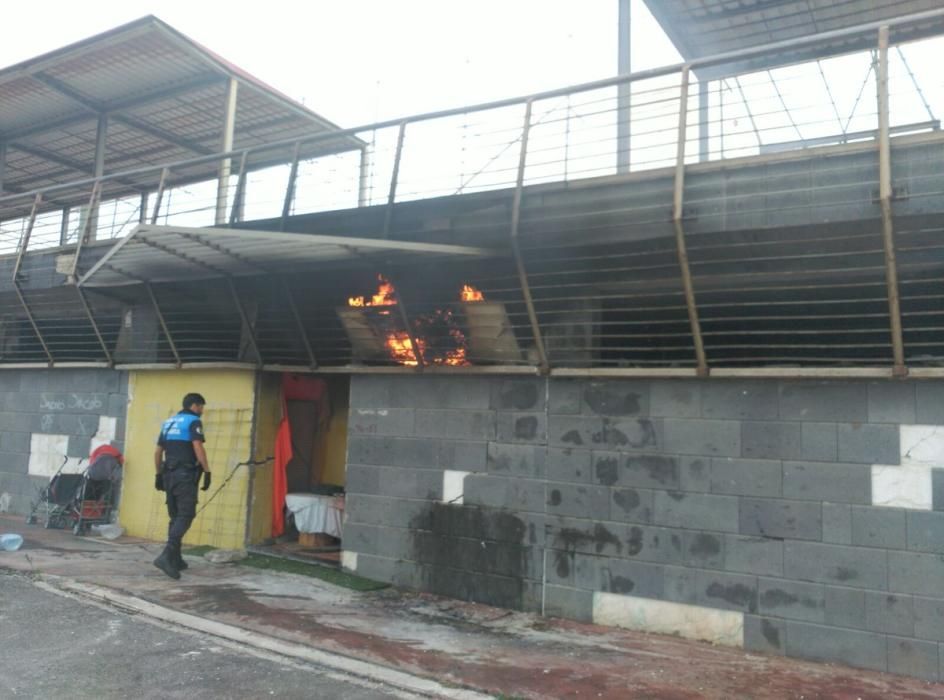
{"points": [[179, 427]]}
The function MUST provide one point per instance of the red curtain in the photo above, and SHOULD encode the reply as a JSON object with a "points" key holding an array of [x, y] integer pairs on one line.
{"points": [[294, 388]]}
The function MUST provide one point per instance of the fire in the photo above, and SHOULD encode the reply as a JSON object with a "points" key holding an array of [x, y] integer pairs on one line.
{"points": [[439, 339], [470, 293], [383, 297]]}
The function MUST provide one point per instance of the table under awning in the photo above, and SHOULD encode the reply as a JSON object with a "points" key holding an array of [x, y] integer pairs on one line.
{"points": [[153, 254]]}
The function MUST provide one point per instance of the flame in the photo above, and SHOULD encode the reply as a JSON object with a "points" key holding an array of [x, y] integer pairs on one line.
{"points": [[398, 342], [470, 293], [383, 297]]}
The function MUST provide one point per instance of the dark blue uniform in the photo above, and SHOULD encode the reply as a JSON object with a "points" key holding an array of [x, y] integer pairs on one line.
{"points": [[181, 473]]}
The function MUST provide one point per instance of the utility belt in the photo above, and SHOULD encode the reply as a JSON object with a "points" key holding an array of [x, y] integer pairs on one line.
{"points": [[183, 466]]}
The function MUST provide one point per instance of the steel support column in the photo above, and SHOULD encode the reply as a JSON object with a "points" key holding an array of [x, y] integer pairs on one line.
{"points": [[543, 364], [160, 319], [624, 89], [3, 163], [25, 238], [85, 231], [226, 145], [885, 200], [250, 329], [392, 195], [677, 214], [290, 186], [159, 197], [91, 318], [236, 213], [101, 136], [704, 132], [313, 363], [361, 180]]}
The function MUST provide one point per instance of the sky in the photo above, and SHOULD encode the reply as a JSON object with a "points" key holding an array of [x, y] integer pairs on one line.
{"points": [[359, 61]]}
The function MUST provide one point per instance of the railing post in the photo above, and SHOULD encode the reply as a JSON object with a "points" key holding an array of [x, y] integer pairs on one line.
{"points": [[250, 329], [236, 213], [885, 201], [159, 198], [392, 195], [543, 364], [677, 213], [290, 186], [91, 318]]}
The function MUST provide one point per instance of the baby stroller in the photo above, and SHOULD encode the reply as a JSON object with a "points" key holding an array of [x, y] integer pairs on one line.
{"points": [[81, 500]]}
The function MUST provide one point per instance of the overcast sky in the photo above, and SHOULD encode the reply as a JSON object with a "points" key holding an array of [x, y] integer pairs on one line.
{"points": [[356, 61]]}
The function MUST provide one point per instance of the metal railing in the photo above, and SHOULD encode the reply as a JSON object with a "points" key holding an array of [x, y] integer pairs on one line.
{"points": [[609, 252]]}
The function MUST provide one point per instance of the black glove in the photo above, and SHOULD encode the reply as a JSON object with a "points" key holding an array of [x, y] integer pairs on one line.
{"points": [[206, 481], [159, 481]]}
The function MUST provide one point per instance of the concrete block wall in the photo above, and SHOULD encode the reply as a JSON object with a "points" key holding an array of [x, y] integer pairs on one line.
{"points": [[790, 517], [47, 416]]}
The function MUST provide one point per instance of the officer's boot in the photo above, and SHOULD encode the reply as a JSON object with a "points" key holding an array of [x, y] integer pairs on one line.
{"points": [[167, 563], [179, 560]]}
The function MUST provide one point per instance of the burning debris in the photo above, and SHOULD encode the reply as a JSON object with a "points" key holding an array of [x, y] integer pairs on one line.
{"points": [[438, 335]]}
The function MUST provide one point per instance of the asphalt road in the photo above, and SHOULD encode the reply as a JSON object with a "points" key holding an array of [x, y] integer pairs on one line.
{"points": [[53, 646]]}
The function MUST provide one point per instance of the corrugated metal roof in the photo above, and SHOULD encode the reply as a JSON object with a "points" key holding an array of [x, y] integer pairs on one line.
{"points": [[157, 254], [703, 28], [165, 97]]}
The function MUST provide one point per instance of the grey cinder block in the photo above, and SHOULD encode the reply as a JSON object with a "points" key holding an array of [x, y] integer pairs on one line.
{"points": [[828, 481], [868, 444], [856, 567], [727, 591], [825, 401], [631, 505], [819, 643], [695, 474], [837, 523], [915, 572], [765, 634], [569, 603], [792, 600], [703, 437], [568, 464], [516, 460], [746, 477], [755, 400], [878, 527], [615, 398], [764, 517], [675, 399], [929, 618], [695, 511], [579, 500], [926, 531], [911, 657], [929, 397], [753, 555], [522, 428], [892, 402]]}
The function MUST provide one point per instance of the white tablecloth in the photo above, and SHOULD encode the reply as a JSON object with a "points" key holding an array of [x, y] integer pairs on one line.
{"points": [[317, 513]]}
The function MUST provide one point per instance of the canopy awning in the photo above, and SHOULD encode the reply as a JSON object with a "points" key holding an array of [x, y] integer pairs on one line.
{"points": [[155, 254], [163, 97], [705, 28]]}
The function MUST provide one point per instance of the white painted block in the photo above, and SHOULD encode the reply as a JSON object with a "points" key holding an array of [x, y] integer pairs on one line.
{"points": [[47, 453], [664, 617], [907, 486], [107, 428], [349, 560], [453, 486], [922, 445]]}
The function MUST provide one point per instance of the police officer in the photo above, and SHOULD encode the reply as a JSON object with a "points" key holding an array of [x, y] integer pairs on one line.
{"points": [[179, 460]]}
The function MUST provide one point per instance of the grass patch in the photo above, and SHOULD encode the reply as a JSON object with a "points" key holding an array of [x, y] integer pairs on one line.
{"points": [[291, 566]]}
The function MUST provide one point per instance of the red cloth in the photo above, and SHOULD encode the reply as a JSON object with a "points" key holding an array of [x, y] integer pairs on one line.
{"points": [[294, 388], [106, 450]]}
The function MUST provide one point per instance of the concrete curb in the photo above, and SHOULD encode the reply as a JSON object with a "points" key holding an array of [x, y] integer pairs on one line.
{"points": [[336, 662]]}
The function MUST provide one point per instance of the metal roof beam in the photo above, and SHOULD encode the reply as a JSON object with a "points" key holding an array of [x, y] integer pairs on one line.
{"points": [[160, 134], [198, 83]]}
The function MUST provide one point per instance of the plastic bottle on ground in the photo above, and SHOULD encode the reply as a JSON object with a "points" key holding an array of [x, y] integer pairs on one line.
{"points": [[10, 542]]}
